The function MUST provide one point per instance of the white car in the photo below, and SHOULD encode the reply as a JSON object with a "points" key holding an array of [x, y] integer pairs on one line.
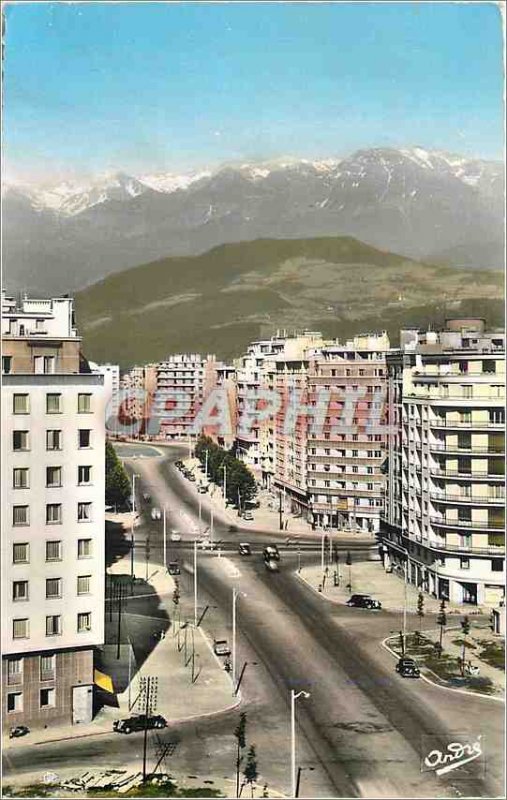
{"points": [[175, 536], [206, 544], [156, 513]]}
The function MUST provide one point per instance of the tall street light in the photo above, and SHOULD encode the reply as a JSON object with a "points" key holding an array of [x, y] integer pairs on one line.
{"points": [[165, 538], [235, 594], [293, 698], [195, 583]]}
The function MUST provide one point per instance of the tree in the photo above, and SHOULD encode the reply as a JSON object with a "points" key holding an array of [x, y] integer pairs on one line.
{"points": [[240, 735], [442, 622], [176, 593], [420, 611], [250, 772], [465, 629], [117, 481], [348, 562]]}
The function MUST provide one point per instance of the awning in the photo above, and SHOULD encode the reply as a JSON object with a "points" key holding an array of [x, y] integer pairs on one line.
{"points": [[103, 681]]}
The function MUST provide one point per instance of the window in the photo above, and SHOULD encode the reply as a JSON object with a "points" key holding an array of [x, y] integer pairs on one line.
{"points": [[497, 564], [84, 437], [84, 403], [20, 440], [53, 625], [53, 513], [47, 667], [20, 404], [20, 628], [84, 548], [84, 475], [83, 584], [53, 588], [467, 392], [44, 365], [20, 552], [84, 622], [21, 515], [464, 563], [489, 366], [14, 670], [20, 478], [19, 590], [14, 702], [53, 404], [53, 476], [6, 364], [47, 698], [84, 512], [53, 550], [53, 440], [39, 325]]}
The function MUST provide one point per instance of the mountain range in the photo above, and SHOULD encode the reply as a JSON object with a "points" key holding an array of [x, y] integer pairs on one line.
{"points": [[219, 301], [428, 205]]}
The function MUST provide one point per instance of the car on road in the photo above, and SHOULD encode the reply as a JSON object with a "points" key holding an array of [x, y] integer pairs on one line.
{"points": [[244, 549], [408, 668], [175, 536], [156, 513], [272, 565], [146, 497], [206, 544], [221, 648], [202, 488], [248, 516], [18, 731], [174, 568], [139, 723], [271, 553], [363, 601]]}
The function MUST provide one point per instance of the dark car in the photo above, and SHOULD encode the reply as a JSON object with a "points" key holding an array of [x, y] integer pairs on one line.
{"points": [[19, 730], [363, 601], [139, 723], [244, 549], [174, 568], [271, 553], [146, 497], [405, 661], [409, 670], [221, 647]]}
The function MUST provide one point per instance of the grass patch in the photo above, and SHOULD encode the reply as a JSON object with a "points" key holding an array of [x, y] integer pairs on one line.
{"points": [[493, 653], [459, 643], [158, 788]]}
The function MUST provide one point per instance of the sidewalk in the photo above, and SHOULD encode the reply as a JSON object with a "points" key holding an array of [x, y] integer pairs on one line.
{"points": [[369, 577]]}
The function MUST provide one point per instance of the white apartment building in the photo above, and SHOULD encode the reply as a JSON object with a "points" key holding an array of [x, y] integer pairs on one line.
{"points": [[111, 373], [53, 516], [444, 518], [183, 381]]}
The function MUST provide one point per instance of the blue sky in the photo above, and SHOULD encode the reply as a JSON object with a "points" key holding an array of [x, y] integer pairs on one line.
{"points": [[153, 86]]}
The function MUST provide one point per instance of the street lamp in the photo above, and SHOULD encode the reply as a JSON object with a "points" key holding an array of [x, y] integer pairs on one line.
{"points": [[293, 698], [235, 593], [298, 781], [195, 582]]}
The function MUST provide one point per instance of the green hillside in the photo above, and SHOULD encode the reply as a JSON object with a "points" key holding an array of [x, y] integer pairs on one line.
{"points": [[219, 301]]}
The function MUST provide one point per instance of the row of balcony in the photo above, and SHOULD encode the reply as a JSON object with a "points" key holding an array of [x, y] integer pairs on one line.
{"points": [[491, 449], [491, 524]]}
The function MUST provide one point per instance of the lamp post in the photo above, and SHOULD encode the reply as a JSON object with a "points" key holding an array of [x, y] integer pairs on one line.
{"points": [[224, 467], [235, 593], [293, 698], [195, 583], [165, 538], [200, 513]]}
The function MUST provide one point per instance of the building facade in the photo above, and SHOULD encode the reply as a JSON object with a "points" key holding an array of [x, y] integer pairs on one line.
{"points": [[444, 518], [183, 382], [53, 521]]}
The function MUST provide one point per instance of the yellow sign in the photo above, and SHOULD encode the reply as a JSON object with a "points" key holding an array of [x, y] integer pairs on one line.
{"points": [[103, 681]]}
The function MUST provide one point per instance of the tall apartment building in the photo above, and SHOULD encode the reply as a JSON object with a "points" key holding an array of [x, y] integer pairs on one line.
{"points": [[333, 475], [183, 382], [137, 392], [444, 513], [111, 373], [53, 516]]}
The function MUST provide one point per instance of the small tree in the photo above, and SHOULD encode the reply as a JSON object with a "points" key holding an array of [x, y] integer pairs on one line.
{"points": [[442, 622], [240, 734], [348, 562], [250, 772], [465, 629], [420, 613], [176, 593]]}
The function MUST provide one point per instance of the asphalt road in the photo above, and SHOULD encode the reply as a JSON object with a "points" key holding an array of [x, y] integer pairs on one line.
{"points": [[363, 730]]}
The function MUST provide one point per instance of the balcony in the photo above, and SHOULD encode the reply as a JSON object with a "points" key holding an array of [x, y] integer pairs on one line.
{"points": [[16, 679], [468, 425], [474, 499], [463, 549], [474, 476], [442, 522], [488, 450]]}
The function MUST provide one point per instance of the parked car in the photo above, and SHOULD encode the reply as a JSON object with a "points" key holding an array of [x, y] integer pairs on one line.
{"points": [[363, 601], [270, 553], [139, 723], [409, 671], [175, 536], [19, 730], [244, 549], [221, 648], [248, 516], [202, 488], [405, 661], [156, 513], [272, 565], [174, 568]]}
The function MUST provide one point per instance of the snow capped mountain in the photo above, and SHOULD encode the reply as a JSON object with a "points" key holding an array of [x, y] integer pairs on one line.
{"points": [[421, 203]]}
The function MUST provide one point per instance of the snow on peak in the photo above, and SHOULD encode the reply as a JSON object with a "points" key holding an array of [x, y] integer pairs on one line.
{"points": [[168, 182]]}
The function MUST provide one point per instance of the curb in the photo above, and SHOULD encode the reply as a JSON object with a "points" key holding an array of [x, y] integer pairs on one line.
{"points": [[438, 685]]}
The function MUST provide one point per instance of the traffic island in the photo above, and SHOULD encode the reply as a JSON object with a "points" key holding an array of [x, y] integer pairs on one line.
{"points": [[443, 665]]}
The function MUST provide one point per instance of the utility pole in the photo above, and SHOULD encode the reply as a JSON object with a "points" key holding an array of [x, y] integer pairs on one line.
{"points": [[132, 561], [149, 690], [293, 698], [280, 510], [130, 672], [322, 543], [147, 556], [200, 513], [165, 539], [234, 601], [405, 609], [118, 635], [195, 583]]}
